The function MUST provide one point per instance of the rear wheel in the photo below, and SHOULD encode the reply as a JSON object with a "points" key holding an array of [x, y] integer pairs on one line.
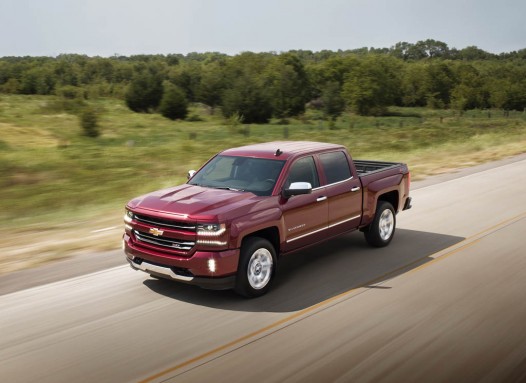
{"points": [[381, 231], [257, 263]]}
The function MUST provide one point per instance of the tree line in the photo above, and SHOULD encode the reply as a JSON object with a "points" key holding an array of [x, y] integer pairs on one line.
{"points": [[254, 87]]}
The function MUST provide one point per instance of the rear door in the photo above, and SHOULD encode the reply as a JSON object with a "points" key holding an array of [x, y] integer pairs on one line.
{"points": [[343, 192], [305, 216]]}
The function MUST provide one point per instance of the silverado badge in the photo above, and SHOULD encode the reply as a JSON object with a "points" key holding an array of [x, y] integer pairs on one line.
{"points": [[156, 231]]}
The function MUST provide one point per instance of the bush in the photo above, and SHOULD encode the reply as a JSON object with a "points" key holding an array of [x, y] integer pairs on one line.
{"points": [[249, 99], [173, 103], [194, 118], [144, 93], [70, 99], [70, 92], [89, 122], [234, 123]]}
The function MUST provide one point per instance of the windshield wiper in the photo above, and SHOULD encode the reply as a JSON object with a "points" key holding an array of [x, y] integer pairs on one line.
{"points": [[226, 188], [217, 187]]}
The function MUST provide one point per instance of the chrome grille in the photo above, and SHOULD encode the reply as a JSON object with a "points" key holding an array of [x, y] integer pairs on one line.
{"points": [[170, 243], [165, 222]]}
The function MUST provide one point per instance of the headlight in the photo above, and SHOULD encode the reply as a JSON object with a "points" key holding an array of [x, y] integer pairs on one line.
{"points": [[128, 216], [211, 229], [211, 235]]}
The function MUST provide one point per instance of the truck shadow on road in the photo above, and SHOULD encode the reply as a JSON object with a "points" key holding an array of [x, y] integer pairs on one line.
{"points": [[321, 272]]}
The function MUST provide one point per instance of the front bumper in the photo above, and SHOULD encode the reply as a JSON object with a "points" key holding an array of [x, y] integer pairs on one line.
{"points": [[222, 283], [192, 270]]}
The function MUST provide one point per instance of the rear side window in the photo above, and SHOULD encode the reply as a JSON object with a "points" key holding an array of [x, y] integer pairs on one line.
{"points": [[335, 166]]}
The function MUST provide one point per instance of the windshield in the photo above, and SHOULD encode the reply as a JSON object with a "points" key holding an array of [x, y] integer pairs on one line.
{"points": [[255, 175]]}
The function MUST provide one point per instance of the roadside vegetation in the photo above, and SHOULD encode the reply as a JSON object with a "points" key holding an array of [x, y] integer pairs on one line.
{"points": [[64, 191], [80, 136]]}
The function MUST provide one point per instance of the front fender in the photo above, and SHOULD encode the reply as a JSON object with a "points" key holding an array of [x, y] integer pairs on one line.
{"points": [[253, 222]]}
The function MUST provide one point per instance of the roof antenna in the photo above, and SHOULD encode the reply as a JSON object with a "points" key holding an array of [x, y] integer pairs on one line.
{"points": [[278, 153]]}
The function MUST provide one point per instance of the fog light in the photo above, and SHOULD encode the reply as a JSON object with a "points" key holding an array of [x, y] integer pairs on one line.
{"points": [[212, 265]]}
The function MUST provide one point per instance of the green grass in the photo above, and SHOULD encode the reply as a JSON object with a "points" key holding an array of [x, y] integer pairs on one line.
{"points": [[47, 166], [53, 178]]}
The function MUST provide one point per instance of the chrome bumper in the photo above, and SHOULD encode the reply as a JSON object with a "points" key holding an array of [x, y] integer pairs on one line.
{"points": [[221, 283], [164, 272]]}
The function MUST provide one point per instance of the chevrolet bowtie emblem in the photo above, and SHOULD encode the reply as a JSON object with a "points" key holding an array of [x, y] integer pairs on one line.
{"points": [[156, 231]]}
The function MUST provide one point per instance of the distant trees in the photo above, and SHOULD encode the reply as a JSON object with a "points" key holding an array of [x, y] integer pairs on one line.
{"points": [[287, 84], [373, 85], [333, 103], [187, 76], [469, 92], [256, 87], [246, 94], [439, 82], [212, 85], [247, 98], [506, 85], [37, 80], [420, 50]]}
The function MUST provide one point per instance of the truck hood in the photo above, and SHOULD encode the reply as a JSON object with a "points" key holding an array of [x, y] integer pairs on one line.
{"points": [[196, 202]]}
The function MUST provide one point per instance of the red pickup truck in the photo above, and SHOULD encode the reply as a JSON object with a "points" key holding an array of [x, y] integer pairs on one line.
{"points": [[246, 207]]}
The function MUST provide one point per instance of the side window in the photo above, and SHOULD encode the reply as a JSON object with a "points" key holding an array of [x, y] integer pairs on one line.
{"points": [[335, 166], [303, 170]]}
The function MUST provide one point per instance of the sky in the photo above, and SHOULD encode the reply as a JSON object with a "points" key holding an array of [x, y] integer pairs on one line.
{"points": [[127, 27]]}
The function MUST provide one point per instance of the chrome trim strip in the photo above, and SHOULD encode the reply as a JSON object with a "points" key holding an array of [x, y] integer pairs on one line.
{"points": [[345, 220], [339, 182], [162, 223], [304, 235], [164, 241], [148, 267], [334, 183], [325, 228]]}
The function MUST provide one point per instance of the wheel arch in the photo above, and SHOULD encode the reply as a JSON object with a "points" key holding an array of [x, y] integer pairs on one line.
{"points": [[392, 197], [271, 234]]}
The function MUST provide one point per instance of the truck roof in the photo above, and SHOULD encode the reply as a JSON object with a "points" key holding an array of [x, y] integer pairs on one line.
{"points": [[280, 149]]}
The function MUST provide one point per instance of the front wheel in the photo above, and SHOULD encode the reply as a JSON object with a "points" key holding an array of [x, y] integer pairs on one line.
{"points": [[381, 231], [257, 263]]}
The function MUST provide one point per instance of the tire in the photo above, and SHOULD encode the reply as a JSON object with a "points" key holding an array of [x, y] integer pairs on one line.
{"points": [[257, 265], [381, 231]]}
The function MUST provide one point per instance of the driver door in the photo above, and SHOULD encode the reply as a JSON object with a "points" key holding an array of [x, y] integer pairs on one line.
{"points": [[305, 216]]}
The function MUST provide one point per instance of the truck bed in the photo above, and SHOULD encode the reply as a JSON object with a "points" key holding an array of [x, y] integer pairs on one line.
{"points": [[364, 167]]}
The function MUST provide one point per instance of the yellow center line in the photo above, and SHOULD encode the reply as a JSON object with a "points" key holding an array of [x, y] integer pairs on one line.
{"points": [[440, 255], [467, 242], [246, 337]]}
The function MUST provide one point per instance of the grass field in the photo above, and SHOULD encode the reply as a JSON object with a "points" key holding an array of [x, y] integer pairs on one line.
{"points": [[63, 192]]}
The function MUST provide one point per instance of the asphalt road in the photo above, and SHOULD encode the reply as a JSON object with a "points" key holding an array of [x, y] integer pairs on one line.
{"points": [[444, 302]]}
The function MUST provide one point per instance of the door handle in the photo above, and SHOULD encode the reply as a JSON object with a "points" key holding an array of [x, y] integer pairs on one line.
{"points": [[319, 199], [355, 189]]}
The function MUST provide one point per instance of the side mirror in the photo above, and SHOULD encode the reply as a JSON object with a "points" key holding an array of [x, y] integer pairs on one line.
{"points": [[297, 188], [190, 174]]}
